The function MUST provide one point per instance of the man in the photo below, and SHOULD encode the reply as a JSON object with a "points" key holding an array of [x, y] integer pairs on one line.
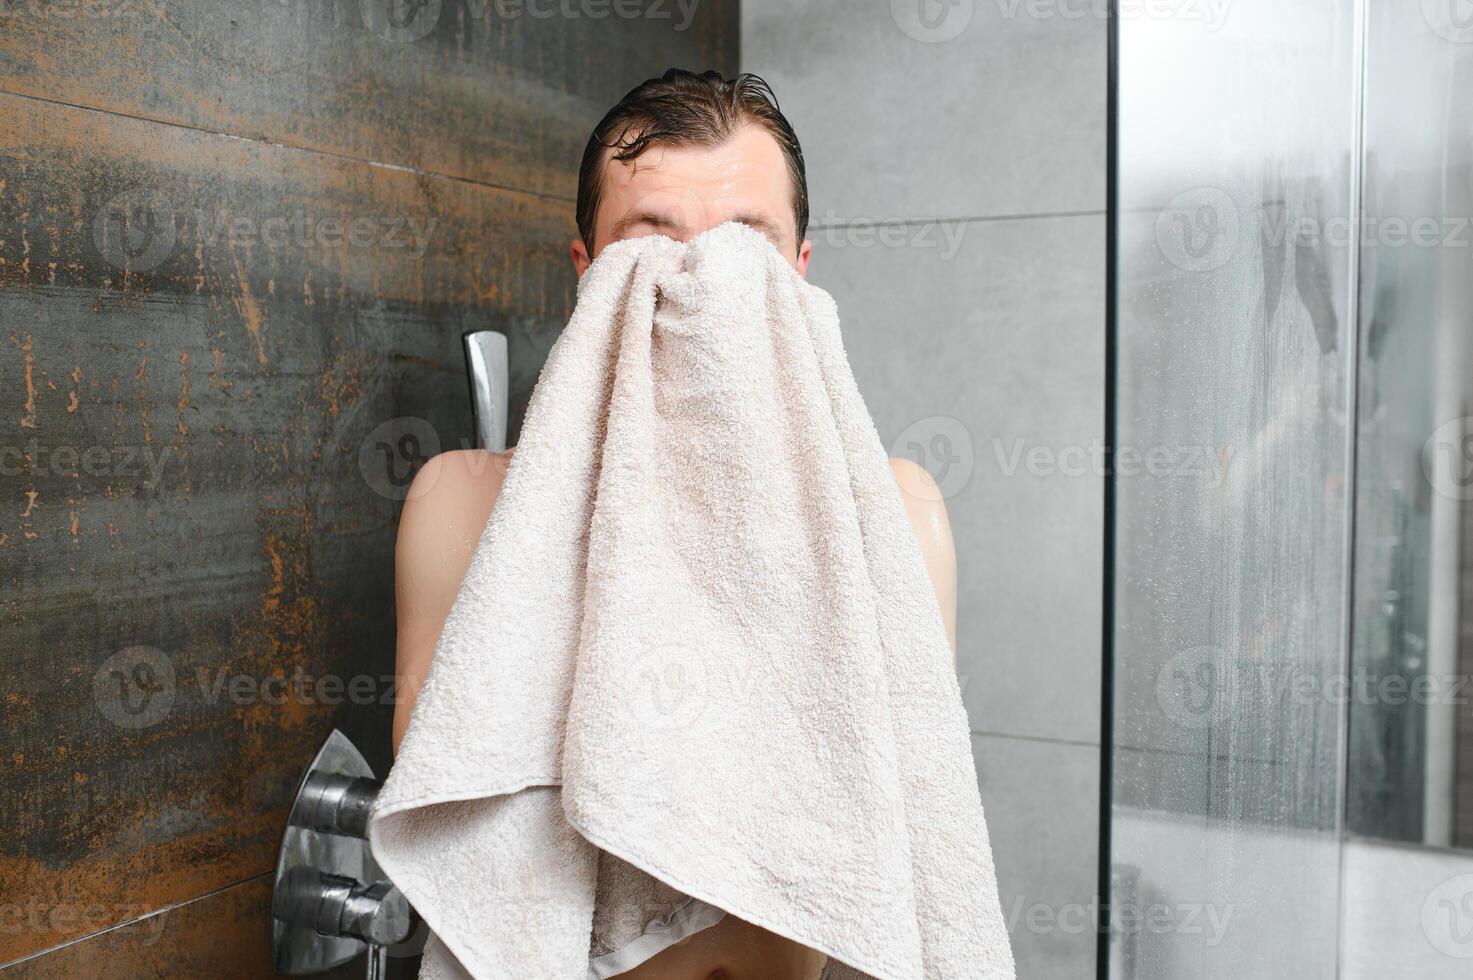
{"points": [[677, 156]]}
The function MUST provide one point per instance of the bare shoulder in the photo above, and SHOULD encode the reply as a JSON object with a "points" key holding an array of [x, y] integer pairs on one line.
{"points": [[462, 474], [447, 507], [924, 503], [926, 506]]}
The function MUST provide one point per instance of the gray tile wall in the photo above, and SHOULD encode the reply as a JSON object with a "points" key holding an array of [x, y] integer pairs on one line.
{"points": [[956, 171]]}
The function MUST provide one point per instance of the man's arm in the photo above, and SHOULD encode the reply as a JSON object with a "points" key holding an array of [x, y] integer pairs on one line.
{"points": [[443, 518]]}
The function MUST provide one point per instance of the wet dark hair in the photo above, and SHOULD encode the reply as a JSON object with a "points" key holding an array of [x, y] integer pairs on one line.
{"points": [[681, 108]]}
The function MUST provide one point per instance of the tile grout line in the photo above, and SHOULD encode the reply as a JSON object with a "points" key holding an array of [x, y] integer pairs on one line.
{"points": [[1045, 739], [967, 219], [133, 921]]}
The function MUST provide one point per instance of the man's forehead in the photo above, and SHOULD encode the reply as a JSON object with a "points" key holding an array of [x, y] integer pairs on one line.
{"points": [[651, 160], [748, 144]]}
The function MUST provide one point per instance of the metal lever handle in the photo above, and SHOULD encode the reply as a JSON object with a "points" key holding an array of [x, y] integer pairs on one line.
{"points": [[331, 803], [342, 908]]}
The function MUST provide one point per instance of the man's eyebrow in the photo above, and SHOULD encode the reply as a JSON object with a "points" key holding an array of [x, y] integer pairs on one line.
{"points": [[654, 219]]}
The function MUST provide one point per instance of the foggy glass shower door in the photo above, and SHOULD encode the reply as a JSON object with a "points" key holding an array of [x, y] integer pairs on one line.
{"points": [[1290, 608], [1235, 348]]}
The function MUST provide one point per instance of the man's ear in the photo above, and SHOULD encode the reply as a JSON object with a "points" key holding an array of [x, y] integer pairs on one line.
{"points": [[579, 252], [805, 251]]}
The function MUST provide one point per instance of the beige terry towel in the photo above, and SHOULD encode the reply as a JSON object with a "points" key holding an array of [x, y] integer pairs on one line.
{"points": [[696, 665]]}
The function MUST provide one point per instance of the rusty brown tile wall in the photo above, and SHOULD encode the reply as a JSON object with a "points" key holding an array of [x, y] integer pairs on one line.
{"points": [[499, 91], [201, 481]]}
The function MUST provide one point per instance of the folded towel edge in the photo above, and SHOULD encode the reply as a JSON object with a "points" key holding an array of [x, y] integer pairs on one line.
{"points": [[700, 894]]}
